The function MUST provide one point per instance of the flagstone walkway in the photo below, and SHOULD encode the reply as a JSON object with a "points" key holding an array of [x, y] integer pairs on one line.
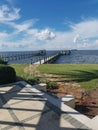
{"points": [[23, 109]]}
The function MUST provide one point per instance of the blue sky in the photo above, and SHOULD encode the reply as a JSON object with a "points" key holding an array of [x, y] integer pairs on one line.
{"points": [[48, 24]]}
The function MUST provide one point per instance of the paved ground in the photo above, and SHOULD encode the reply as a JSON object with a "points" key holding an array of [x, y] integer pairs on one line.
{"points": [[23, 109]]}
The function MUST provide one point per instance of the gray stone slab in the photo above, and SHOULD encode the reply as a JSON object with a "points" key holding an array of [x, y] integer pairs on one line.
{"points": [[5, 118], [47, 121], [24, 108]]}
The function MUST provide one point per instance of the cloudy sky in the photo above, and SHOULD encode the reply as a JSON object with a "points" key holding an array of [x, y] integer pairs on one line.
{"points": [[48, 24]]}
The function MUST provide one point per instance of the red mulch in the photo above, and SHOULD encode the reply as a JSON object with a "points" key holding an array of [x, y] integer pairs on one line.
{"points": [[86, 103]]}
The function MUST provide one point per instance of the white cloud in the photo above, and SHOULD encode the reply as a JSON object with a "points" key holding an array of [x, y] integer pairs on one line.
{"points": [[81, 34], [76, 38], [8, 14], [96, 41], [87, 28], [24, 26], [3, 35], [25, 36], [45, 34]]}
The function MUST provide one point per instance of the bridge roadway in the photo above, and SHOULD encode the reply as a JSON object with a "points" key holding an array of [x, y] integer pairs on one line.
{"points": [[48, 59]]}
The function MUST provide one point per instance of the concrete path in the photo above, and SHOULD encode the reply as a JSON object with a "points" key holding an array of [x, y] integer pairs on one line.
{"points": [[23, 109]]}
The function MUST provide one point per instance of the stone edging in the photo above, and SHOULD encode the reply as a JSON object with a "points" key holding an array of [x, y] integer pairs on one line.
{"points": [[69, 114]]}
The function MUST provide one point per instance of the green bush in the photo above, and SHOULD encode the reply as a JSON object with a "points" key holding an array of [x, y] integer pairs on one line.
{"points": [[52, 85], [2, 61], [7, 74], [33, 80]]}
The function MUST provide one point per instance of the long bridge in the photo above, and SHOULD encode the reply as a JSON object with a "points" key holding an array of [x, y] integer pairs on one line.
{"points": [[53, 58], [35, 58], [48, 59]]}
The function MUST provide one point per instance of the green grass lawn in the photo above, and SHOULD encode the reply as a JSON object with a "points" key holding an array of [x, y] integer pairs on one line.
{"points": [[19, 68], [22, 75], [85, 74]]}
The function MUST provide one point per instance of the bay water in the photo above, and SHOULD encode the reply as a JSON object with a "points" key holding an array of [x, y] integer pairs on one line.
{"points": [[76, 57], [79, 57]]}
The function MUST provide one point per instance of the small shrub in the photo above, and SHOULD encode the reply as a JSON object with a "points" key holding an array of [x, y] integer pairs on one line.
{"points": [[43, 80], [7, 74], [52, 85], [2, 61], [33, 80]]}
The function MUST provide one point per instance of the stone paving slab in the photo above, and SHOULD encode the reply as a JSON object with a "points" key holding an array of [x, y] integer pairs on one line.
{"points": [[23, 109], [48, 121], [5, 117]]}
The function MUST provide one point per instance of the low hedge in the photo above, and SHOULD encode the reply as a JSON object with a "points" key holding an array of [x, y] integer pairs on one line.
{"points": [[7, 74], [52, 85], [2, 61]]}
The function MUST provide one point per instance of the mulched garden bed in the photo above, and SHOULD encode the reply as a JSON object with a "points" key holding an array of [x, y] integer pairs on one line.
{"points": [[86, 102]]}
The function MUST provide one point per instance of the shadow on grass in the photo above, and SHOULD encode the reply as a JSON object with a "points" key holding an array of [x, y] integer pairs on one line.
{"points": [[31, 80], [81, 76]]}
